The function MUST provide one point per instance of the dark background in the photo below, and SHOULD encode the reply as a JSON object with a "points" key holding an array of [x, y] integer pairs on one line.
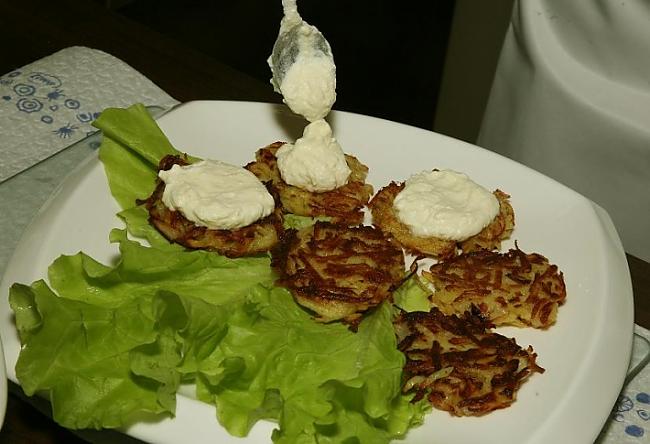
{"points": [[389, 54]]}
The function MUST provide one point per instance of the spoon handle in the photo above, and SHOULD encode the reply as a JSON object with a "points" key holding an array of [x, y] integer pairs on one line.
{"points": [[290, 8]]}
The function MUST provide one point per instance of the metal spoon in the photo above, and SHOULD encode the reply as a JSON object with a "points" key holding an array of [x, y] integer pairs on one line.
{"points": [[295, 36]]}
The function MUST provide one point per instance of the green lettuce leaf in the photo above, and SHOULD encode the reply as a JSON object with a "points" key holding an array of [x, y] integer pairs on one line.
{"points": [[134, 128], [158, 361], [78, 355], [297, 222], [123, 323], [280, 364], [143, 271], [137, 222], [132, 146], [413, 295]]}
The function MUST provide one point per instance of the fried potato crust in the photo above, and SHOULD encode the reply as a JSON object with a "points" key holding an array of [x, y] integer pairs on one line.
{"points": [[343, 205], [512, 288], [339, 272], [459, 364], [256, 238], [498, 230], [385, 218]]}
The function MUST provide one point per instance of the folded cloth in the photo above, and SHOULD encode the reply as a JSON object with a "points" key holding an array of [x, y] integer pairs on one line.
{"points": [[51, 103], [571, 99], [629, 422]]}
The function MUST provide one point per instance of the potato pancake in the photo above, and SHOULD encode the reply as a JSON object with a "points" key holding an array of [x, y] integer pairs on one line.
{"points": [[338, 272], [512, 288], [459, 365], [256, 238], [343, 205], [385, 218]]}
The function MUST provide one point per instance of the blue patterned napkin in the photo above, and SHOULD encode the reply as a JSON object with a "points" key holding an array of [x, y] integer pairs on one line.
{"points": [[50, 104]]}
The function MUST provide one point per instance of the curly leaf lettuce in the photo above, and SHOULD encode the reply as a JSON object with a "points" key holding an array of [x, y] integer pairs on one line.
{"points": [[142, 271], [137, 222], [312, 378], [413, 295], [112, 332], [79, 354]]}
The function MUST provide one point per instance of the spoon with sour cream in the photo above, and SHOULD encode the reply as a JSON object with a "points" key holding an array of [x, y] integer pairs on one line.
{"points": [[303, 66]]}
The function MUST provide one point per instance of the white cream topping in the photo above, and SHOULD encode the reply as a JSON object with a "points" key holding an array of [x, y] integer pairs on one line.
{"points": [[216, 195], [309, 86], [445, 204], [315, 162]]}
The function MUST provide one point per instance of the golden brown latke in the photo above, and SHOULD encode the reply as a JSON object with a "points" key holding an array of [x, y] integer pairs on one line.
{"points": [[385, 218], [342, 205], [256, 238], [512, 288], [337, 271], [459, 365]]}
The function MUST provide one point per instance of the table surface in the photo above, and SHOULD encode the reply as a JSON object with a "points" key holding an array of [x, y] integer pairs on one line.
{"points": [[35, 29]]}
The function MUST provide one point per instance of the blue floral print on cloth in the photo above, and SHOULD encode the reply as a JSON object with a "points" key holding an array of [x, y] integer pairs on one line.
{"points": [[44, 95], [629, 420], [633, 413], [51, 103]]}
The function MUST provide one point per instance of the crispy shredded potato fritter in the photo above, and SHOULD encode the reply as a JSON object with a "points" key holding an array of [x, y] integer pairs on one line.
{"points": [[256, 238], [459, 365], [339, 272], [385, 218], [342, 205], [512, 288]]}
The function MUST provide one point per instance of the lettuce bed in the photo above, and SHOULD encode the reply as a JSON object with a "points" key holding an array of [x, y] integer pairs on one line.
{"points": [[107, 344]]}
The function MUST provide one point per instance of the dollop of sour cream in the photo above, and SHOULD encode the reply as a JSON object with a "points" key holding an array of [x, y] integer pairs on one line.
{"points": [[216, 195], [309, 86], [445, 204], [315, 162]]}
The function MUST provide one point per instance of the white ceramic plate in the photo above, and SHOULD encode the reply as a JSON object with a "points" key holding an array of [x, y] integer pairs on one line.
{"points": [[585, 354]]}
